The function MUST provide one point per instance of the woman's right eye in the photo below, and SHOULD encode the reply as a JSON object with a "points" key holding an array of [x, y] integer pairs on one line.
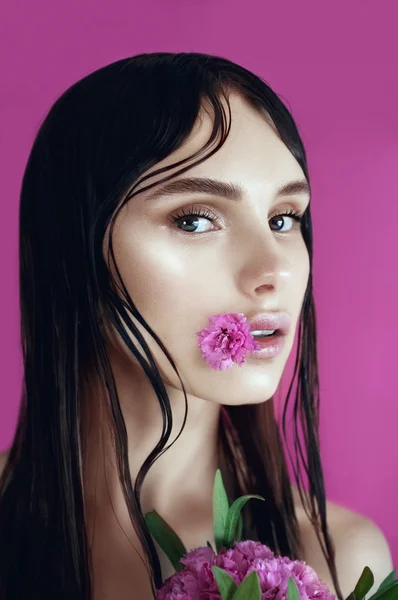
{"points": [[191, 217]]}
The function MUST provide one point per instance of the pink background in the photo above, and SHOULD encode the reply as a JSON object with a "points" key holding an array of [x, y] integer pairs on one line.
{"points": [[335, 63]]}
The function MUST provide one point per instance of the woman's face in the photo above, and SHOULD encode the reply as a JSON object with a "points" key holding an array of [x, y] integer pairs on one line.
{"points": [[179, 273]]}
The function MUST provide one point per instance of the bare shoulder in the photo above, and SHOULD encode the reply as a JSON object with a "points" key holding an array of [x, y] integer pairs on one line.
{"points": [[3, 460], [358, 541]]}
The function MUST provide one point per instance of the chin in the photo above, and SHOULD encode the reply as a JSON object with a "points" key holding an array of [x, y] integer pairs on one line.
{"points": [[254, 382], [247, 400], [249, 395], [246, 390]]}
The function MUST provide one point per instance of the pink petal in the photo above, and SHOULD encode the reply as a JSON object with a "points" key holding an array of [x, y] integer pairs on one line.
{"points": [[226, 341]]}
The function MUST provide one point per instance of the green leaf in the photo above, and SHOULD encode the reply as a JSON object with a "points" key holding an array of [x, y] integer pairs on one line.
{"points": [[220, 510], [386, 583], [226, 585], [239, 529], [233, 516], [387, 593], [249, 588], [364, 584], [351, 596], [209, 545], [167, 539], [292, 590]]}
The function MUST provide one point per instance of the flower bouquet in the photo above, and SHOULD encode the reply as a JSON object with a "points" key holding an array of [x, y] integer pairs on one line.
{"points": [[244, 570]]}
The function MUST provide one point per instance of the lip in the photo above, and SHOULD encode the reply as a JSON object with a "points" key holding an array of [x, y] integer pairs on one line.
{"points": [[280, 321], [274, 345], [270, 347]]}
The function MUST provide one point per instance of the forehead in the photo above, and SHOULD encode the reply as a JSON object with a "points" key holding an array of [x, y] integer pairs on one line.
{"points": [[253, 154]]}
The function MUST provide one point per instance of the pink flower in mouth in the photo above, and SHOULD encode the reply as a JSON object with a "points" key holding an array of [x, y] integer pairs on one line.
{"points": [[226, 341]]}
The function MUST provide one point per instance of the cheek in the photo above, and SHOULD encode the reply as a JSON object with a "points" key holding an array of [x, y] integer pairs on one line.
{"points": [[166, 272], [299, 265], [169, 290], [163, 280]]}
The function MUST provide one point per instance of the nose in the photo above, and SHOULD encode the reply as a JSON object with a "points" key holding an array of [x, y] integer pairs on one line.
{"points": [[264, 264]]}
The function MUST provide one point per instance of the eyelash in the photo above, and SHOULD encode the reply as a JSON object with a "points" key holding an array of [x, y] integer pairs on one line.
{"points": [[199, 212]]}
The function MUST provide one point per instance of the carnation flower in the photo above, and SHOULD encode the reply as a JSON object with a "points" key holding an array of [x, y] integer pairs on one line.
{"points": [[226, 341], [196, 581], [244, 570]]}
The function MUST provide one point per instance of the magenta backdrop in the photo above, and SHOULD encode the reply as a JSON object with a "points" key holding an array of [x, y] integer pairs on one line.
{"points": [[335, 63]]}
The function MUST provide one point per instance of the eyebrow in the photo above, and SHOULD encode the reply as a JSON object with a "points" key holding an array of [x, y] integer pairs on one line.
{"points": [[214, 187]]}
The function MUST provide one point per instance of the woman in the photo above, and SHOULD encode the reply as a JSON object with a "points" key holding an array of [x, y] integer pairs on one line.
{"points": [[160, 190]]}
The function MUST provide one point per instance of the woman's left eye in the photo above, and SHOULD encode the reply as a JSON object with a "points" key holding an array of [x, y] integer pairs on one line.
{"points": [[195, 214], [297, 217]]}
